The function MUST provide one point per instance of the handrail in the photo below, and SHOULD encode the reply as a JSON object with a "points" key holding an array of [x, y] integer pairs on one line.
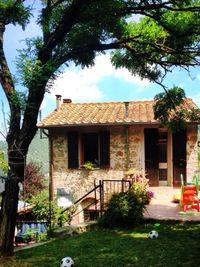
{"points": [[85, 208], [95, 188], [101, 186]]}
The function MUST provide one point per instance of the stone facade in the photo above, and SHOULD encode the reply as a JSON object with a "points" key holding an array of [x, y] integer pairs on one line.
{"points": [[126, 151], [192, 151], [136, 148], [81, 181]]}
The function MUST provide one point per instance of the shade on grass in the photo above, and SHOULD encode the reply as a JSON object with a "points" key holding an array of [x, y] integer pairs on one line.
{"points": [[177, 245]]}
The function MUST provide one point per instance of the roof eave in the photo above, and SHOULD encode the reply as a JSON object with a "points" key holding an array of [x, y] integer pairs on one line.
{"points": [[96, 124]]}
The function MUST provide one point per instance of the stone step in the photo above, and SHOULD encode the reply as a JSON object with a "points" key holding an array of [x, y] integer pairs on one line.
{"points": [[72, 230]]}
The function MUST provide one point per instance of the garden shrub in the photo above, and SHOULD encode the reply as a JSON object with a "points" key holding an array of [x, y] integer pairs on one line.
{"points": [[124, 209], [34, 181], [45, 210]]}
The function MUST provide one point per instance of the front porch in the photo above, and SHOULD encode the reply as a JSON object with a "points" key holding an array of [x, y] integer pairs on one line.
{"points": [[162, 206]]}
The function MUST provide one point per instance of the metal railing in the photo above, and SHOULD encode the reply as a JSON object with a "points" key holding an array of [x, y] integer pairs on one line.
{"points": [[102, 194]]}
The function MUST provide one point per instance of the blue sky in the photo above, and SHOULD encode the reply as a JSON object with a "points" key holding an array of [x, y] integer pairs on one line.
{"points": [[99, 83]]}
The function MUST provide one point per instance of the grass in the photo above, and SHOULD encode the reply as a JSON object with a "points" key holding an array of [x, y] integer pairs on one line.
{"points": [[177, 245]]}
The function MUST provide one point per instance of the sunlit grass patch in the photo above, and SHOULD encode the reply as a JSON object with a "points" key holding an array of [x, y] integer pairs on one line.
{"points": [[176, 245]]}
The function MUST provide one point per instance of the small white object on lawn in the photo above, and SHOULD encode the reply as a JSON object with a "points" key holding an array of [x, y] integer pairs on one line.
{"points": [[153, 234], [67, 262]]}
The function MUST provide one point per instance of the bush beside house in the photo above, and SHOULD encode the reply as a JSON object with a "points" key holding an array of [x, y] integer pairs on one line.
{"points": [[127, 208]]}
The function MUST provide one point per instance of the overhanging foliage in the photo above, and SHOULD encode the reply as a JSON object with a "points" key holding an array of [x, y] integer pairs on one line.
{"points": [[170, 110]]}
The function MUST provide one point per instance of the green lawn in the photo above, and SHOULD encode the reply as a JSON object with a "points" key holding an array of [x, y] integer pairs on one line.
{"points": [[177, 245]]}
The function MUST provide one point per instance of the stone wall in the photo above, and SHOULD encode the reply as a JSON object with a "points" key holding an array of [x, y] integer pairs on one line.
{"points": [[117, 149], [81, 181], [192, 151], [136, 148], [59, 148]]}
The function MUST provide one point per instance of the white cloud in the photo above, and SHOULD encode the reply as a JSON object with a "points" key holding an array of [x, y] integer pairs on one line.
{"points": [[77, 86], [198, 76], [82, 84], [127, 76], [196, 99], [181, 85], [43, 105]]}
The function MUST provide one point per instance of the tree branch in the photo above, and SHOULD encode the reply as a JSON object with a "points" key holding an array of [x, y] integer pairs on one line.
{"points": [[170, 6], [73, 13], [8, 87], [6, 78], [68, 20]]}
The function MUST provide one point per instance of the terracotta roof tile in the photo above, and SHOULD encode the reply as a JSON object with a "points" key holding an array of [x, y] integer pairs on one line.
{"points": [[76, 114]]}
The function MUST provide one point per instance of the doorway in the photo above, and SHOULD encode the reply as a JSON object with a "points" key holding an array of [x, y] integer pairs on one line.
{"points": [[156, 150], [162, 156]]}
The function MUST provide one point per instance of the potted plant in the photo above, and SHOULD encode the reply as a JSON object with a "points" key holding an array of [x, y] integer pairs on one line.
{"points": [[140, 186], [135, 174], [88, 165], [149, 196]]}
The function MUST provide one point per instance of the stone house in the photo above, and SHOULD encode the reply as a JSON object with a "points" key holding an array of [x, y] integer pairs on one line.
{"points": [[115, 136]]}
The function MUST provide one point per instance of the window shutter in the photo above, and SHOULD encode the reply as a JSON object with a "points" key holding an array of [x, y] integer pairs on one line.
{"points": [[73, 150], [104, 149]]}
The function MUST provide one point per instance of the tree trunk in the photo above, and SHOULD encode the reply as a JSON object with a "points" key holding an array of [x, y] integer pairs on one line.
{"points": [[8, 216], [9, 204]]}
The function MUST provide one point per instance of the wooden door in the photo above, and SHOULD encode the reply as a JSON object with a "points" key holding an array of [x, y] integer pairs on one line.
{"points": [[179, 157], [151, 156]]}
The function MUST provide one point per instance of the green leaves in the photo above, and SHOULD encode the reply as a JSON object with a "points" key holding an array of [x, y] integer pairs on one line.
{"points": [[29, 68], [163, 37], [171, 112], [147, 37], [3, 163], [124, 209], [14, 12]]}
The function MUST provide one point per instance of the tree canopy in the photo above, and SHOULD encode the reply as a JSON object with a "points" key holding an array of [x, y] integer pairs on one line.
{"points": [[148, 37], [169, 109]]}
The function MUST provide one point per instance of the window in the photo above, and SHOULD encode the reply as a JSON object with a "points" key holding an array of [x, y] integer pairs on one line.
{"points": [[92, 147]]}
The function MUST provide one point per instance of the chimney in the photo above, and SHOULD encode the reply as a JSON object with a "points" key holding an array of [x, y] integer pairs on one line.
{"points": [[67, 100], [126, 108], [58, 101]]}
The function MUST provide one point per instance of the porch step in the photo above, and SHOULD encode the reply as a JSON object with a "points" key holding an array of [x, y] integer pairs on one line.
{"points": [[72, 230]]}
